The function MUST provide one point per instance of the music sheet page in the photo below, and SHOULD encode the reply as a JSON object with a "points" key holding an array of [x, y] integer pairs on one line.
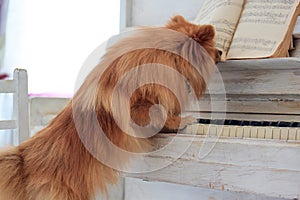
{"points": [[224, 15], [262, 28]]}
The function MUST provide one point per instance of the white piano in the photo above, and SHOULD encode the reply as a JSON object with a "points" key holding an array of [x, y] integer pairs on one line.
{"points": [[255, 155]]}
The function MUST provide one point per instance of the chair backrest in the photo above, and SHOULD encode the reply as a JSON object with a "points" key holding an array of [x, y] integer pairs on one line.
{"points": [[20, 120]]}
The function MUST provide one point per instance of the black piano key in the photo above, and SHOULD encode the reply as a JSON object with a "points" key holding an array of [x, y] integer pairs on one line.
{"points": [[295, 124], [248, 123], [266, 123], [204, 121], [255, 123], [226, 122], [214, 121], [235, 122], [284, 124], [245, 123], [274, 124]]}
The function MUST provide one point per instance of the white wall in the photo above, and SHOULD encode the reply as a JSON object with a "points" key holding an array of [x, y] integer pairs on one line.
{"points": [[52, 38]]}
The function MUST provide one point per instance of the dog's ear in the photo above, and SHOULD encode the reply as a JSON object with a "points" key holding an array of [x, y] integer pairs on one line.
{"points": [[205, 33], [176, 21]]}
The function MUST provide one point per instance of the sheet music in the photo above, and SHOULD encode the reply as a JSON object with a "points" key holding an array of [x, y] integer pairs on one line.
{"points": [[262, 28], [224, 15]]}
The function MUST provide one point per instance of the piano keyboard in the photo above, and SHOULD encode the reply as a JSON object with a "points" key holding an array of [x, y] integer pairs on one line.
{"points": [[246, 129]]}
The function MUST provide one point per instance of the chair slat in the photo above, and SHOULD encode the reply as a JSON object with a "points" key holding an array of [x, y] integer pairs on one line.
{"points": [[8, 86], [8, 124]]}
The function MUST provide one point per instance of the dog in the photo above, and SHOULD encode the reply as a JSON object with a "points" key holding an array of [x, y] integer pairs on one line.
{"points": [[55, 163]]}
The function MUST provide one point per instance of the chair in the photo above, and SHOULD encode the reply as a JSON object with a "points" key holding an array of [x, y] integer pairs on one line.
{"points": [[20, 120]]}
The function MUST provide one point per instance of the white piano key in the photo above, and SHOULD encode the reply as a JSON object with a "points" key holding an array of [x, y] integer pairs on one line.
{"points": [[205, 130], [276, 133], [200, 129], [219, 130], [253, 132], [225, 132], [298, 134], [247, 130], [232, 131], [269, 133], [284, 134], [239, 132], [261, 132], [213, 130], [292, 134]]}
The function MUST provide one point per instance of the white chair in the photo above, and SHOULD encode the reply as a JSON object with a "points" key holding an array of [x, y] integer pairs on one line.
{"points": [[20, 120]]}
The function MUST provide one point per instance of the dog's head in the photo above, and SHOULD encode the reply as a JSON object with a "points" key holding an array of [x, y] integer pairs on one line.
{"points": [[203, 34]]}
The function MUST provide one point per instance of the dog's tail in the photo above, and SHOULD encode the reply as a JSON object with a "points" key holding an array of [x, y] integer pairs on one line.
{"points": [[11, 175]]}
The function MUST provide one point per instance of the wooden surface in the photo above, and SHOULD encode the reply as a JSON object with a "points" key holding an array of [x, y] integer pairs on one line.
{"points": [[21, 107], [41, 115], [137, 189], [250, 166], [7, 86], [259, 89], [20, 119]]}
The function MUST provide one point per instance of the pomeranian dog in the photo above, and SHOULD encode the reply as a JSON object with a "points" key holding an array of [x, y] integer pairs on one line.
{"points": [[55, 164]]}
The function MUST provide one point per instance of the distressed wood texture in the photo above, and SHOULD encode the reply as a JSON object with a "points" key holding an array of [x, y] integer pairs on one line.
{"points": [[261, 167], [262, 87], [137, 189], [41, 115], [19, 123]]}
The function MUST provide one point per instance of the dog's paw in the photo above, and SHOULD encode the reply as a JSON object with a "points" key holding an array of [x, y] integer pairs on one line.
{"points": [[186, 121]]}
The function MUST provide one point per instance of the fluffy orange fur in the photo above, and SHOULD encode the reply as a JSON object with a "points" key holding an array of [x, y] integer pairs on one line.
{"points": [[55, 165]]}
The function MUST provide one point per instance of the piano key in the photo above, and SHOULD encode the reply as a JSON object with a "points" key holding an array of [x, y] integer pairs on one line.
{"points": [[274, 123], [227, 122], [292, 134], [239, 132], [205, 130], [235, 122], [255, 123], [253, 133], [265, 123], [225, 132], [298, 134], [247, 130], [276, 133], [245, 123], [284, 133], [219, 130], [232, 132], [284, 124], [269, 133], [200, 130], [295, 124], [261, 132], [190, 129], [212, 130]]}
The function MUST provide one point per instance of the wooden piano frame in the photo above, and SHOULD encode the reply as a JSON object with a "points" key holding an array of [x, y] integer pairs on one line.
{"points": [[267, 90]]}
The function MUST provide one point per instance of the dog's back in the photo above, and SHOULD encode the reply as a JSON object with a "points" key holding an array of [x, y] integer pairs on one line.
{"points": [[12, 181]]}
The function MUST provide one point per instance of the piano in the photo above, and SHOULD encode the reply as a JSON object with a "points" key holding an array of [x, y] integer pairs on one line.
{"points": [[249, 148], [247, 142]]}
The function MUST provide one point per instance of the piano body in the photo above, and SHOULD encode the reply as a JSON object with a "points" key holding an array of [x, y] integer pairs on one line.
{"points": [[247, 144], [256, 154]]}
